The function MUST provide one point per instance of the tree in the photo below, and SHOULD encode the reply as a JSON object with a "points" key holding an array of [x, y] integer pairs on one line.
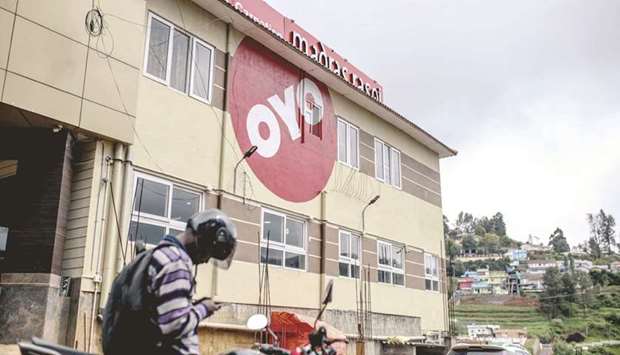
{"points": [[550, 302], [569, 289], [490, 243], [602, 233], [583, 284], [499, 224], [452, 249], [558, 242], [465, 223], [469, 243], [594, 248]]}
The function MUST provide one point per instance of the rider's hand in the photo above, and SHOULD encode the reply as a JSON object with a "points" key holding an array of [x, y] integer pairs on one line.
{"points": [[211, 306]]}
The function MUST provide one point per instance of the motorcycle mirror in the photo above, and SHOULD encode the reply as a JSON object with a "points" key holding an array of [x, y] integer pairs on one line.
{"points": [[327, 295], [257, 322]]}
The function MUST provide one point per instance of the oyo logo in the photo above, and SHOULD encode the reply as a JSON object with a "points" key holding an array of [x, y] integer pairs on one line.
{"points": [[289, 116]]}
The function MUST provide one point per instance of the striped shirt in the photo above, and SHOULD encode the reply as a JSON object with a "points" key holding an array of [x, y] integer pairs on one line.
{"points": [[171, 284]]}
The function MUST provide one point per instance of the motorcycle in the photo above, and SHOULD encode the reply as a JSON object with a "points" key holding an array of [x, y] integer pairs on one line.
{"points": [[318, 342]]}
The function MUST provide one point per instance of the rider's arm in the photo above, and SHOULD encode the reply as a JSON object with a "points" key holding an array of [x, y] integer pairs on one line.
{"points": [[172, 290]]}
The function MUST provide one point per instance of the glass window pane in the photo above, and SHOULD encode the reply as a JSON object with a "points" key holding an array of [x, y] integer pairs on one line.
{"points": [[355, 247], [435, 285], [201, 71], [343, 269], [386, 163], [274, 255], [397, 257], [355, 271], [294, 233], [273, 226], [148, 233], [151, 197], [296, 261], [399, 279], [184, 204], [342, 141], [353, 146], [4, 235], [344, 244], [178, 66], [379, 171], [384, 254], [395, 161], [157, 60], [385, 276]]}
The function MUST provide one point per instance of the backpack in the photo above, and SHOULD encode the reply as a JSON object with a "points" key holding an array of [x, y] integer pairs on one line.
{"points": [[127, 318]]}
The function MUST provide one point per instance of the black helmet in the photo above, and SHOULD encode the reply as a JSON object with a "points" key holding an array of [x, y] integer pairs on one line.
{"points": [[216, 237]]}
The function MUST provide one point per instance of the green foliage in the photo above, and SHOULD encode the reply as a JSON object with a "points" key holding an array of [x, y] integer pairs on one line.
{"points": [[489, 243], [605, 278], [493, 265], [551, 298], [469, 243], [602, 234], [562, 348], [558, 242]]}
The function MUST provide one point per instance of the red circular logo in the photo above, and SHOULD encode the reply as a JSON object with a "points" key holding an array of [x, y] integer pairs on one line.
{"points": [[289, 116]]}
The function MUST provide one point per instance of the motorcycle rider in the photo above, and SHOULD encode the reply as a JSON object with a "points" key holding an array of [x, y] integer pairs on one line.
{"points": [[170, 286]]}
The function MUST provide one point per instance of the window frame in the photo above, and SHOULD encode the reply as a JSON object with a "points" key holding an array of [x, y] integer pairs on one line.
{"points": [[348, 259], [189, 73], [282, 245], [388, 173], [347, 138], [196, 41], [390, 268], [166, 222], [433, 276]]}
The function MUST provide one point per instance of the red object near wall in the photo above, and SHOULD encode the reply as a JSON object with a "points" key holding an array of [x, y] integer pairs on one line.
{"points": [[293, 330]]}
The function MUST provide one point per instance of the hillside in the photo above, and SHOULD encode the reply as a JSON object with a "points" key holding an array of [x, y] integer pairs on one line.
{"points": [[601, 322]]}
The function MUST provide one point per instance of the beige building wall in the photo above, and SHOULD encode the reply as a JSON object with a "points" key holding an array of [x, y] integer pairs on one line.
{"points": [[50, 66], [180, 138]]}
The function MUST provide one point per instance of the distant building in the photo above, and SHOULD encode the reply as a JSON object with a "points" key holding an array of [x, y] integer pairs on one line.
{"points": [[516, 255], [482, 330], [583, 265], [615, 266], [497, 281], [540, 266], [532, 282], [600, 268], [465, 284], [511, 336], [534, 248], [481, 288]]}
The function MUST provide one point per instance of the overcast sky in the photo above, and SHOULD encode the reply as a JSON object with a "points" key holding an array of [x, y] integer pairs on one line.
{"points": [[527, 91]]}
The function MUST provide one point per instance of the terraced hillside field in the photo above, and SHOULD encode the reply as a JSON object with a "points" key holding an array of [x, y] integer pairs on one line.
{"points": [[505, 316]]}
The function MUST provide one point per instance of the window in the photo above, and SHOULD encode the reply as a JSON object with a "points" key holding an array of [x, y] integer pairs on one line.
{"points": [[348, 145], [4, 236], [314, 111], [8, 168], [201, 70], [391, 263], [159, 208], [349, 255], [387, 163], [168, 59], [431, 273], [283, 241]]}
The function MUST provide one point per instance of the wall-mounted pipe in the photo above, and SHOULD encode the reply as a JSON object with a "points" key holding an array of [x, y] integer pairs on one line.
{"points": [[111, 228], [126, 208]]}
